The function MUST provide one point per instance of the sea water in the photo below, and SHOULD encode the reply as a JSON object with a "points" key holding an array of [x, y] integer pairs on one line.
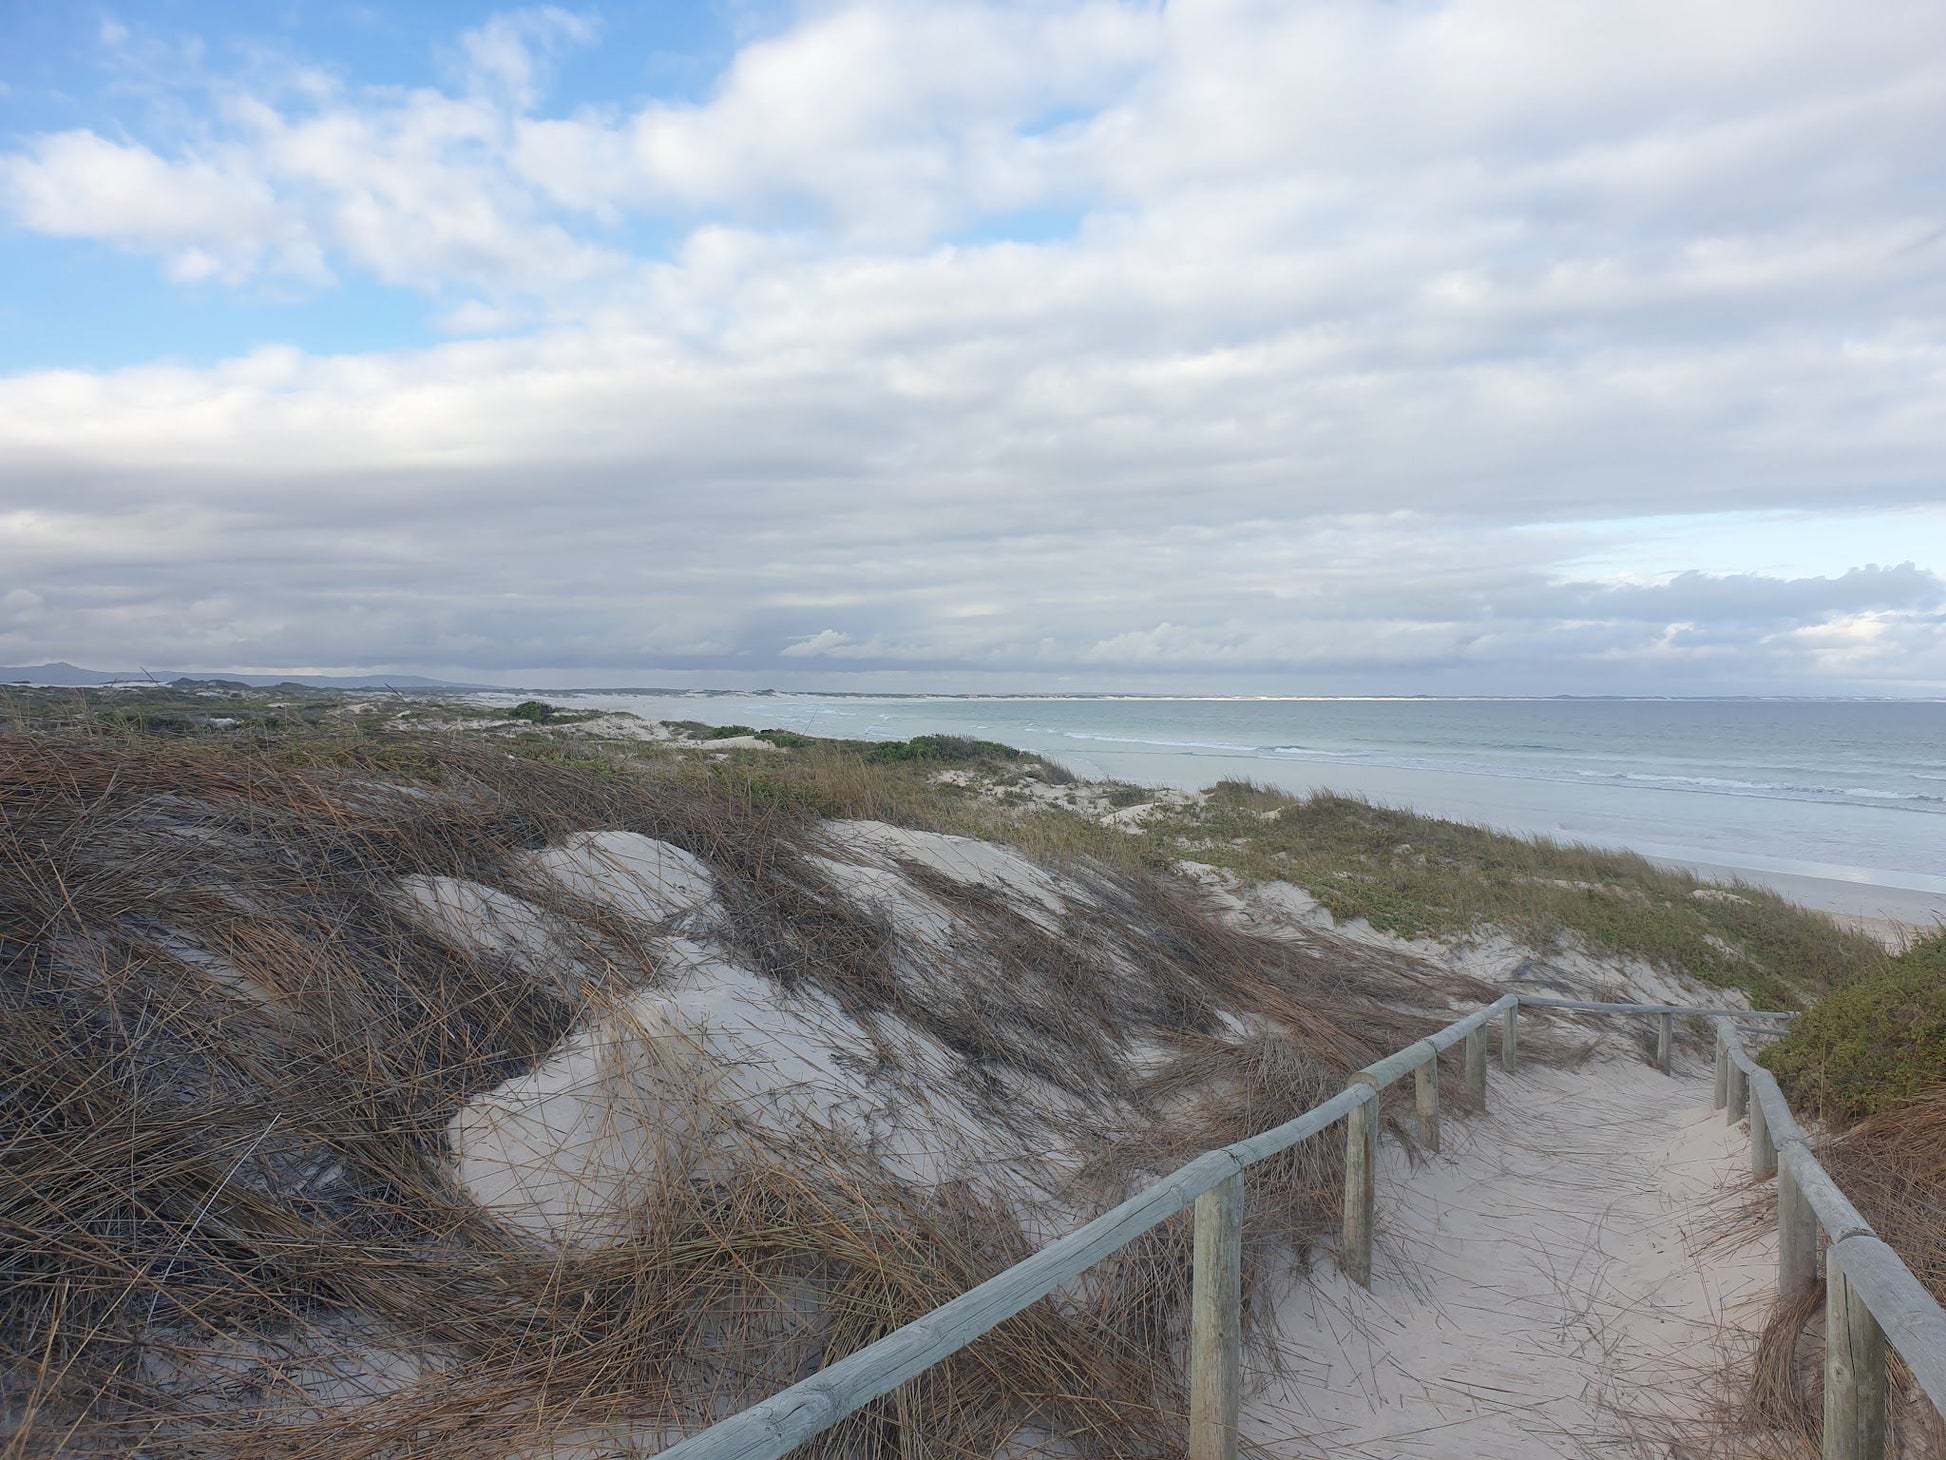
{"points": [[1841, 803]]}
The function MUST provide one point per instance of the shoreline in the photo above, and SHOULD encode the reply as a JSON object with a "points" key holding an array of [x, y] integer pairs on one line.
{"points": [[1893, 915], [1890, 912], [1651, 782]]}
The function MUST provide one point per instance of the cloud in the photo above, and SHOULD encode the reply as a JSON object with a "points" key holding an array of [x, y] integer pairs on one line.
{"points": [[1078, 342], [824, 641], [1744, 598], [508, 56], [207, 218]]}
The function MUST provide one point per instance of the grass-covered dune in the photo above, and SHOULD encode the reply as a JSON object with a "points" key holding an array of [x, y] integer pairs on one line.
{"points": [[387, 1075], [1421, 876], [1400, 872], [380, 1093]]}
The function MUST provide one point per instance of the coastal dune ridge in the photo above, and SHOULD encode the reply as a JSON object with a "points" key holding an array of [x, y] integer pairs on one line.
{"points": [[972, 730], [1827, 801], [545, 1081]]}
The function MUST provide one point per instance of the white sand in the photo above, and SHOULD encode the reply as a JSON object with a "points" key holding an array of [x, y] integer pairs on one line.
{"points": [[633, 874], [1539, 1289], [1031, 889]]}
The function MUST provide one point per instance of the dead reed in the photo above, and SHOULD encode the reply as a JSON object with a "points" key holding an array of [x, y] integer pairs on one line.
{"points": [[1893, 1167], [229, 1053]]}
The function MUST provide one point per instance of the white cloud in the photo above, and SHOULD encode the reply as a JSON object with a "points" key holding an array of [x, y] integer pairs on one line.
{"points": [[508, 56], [824, 641], [207, 218], [1120, 340]]}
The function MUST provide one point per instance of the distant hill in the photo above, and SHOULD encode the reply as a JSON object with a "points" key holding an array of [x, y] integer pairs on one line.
{"points": [[62, 673]]}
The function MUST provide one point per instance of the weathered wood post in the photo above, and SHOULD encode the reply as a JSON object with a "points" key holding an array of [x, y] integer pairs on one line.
{"points": [[1665, 1041], [1361, 1160], [1216, 1323], [1854, 1373], [1763, 1152], [1722, 1069], [1425, 1090], [1476, 1064], [1797, 1238], [1736, 1098], [1509, 1036]]}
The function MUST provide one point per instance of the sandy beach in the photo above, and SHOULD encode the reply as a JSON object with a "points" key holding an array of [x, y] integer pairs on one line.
{"points": [[1893, 915]]}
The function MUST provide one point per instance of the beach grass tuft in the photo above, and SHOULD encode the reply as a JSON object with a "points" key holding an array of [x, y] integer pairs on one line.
{"points": [[228, 1213]]}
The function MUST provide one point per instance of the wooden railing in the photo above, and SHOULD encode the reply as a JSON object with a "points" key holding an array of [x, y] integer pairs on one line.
{"points": [[1870, 1295]]}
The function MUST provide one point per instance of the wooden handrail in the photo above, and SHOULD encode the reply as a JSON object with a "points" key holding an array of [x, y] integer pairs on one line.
{"points": [[1870, 1295], [1587, 1006], [1872, 1283]]}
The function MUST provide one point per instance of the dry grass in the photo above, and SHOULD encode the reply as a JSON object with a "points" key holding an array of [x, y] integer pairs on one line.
{"points": [[230, 1058], [1870, 1060], [1893, 1167]]}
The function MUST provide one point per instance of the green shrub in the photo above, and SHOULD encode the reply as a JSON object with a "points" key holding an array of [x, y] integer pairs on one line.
{"points": [[940, 748], [535, 712], [787, 739], [1873, 1044], [728, 732]]}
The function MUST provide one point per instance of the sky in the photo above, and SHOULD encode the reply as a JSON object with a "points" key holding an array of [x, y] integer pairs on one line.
{"points": [[1316, 346]]}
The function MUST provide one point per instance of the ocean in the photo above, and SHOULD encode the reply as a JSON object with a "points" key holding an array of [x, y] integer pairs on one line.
{"points": [[1838, 803]]}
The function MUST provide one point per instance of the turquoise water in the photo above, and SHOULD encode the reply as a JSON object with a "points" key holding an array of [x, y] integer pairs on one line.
{"points": [[1850, 792]]}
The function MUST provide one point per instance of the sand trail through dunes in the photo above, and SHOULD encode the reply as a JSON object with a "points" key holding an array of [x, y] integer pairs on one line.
{"points": [[1556, 1283]]}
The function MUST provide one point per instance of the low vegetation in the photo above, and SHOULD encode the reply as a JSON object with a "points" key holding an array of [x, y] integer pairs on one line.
{"points": [[232, 1057], [1873, 1045], [1403, 873], [1412, 875], [276, 1169], [1868, 1065], [1420, 876]]}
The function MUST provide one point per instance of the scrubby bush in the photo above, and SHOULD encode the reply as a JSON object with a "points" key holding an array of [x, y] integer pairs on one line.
{"points": [[946, 749], [535, 712], [787, 739], [1873, 1044]]}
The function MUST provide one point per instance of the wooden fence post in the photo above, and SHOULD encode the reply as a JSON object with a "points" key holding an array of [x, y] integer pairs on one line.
{"points": [[1763, 1151], [1509, 1036], [1854, 1373], [1476, 1065], [1722, 1069], [1216, 1323], [1736, 1098], [1425, 1090], [1797, 1238], [1665, 1041], [1361, 1157]]}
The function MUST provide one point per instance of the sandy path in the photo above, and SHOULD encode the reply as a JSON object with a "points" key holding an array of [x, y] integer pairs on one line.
{"points": [[1539, 1289]]}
